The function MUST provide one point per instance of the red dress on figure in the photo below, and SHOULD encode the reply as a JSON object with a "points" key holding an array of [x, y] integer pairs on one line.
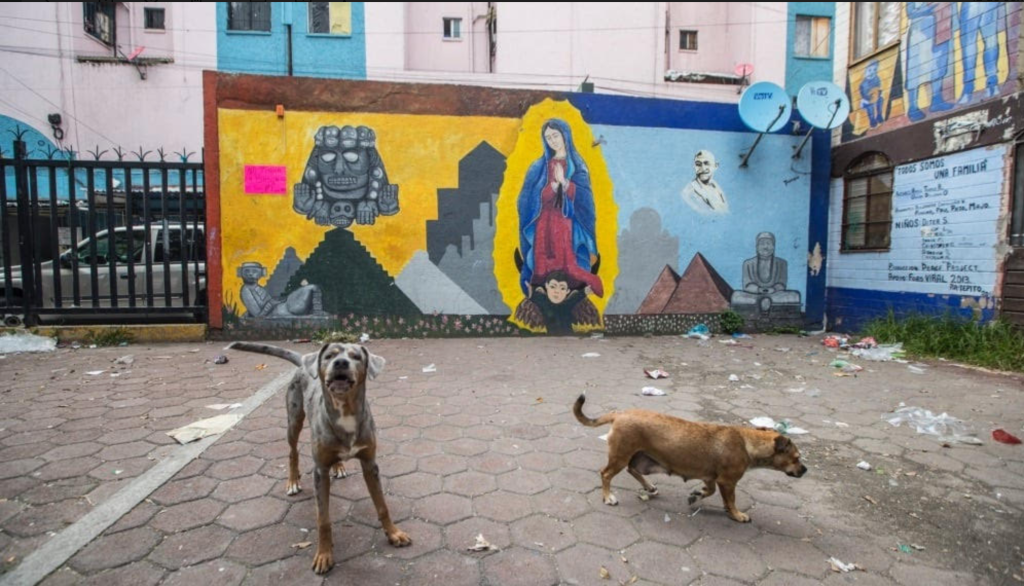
{"points": [[552, 247]]}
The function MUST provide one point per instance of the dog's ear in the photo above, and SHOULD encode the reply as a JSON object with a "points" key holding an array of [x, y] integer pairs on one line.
{"points": [[319, 359], [374, 364], [782, 443]]}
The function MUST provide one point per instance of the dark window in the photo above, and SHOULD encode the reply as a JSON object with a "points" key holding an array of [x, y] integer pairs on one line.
{"points": [[98, 20], [687, 40], [867, 203], [155, 18], [453, 28], [249, 16], [195, 246]]}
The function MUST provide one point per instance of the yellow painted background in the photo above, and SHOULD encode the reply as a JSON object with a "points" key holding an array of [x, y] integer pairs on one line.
{"points": [[527, 149], [420, 154]]}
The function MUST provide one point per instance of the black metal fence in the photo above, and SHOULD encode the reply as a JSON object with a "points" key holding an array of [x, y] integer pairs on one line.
{"points": [[116, 240]]}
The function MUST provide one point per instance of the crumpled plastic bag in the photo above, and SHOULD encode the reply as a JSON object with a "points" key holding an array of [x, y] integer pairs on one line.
{"points": [[883, 353], [943, 427]]}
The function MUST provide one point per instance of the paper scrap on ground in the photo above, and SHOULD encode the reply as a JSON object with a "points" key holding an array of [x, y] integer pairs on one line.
{"points": [[656, 373], [838, 566], [203, 428], [95, 372], [430, 368], [223, 406], [652, 392], [604, 437], [783, 427], [864, 465], [481, 544], [26, 343], [591, 355]]}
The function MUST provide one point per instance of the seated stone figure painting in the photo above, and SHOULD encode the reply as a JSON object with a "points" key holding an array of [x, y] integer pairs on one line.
{"points": [[764, 293], [306, 301]]}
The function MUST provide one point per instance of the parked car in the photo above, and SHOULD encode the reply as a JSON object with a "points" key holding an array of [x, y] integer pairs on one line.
{"points": [[166, 246]]}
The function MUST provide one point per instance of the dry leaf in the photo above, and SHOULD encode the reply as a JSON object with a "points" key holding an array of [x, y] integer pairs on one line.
{"points": [[603, 572], [260, 366], [624, 560], [302, 544], [870, 499]]}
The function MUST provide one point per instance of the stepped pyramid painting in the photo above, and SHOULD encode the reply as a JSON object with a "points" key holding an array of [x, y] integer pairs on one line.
{"points": [[283, 272], [351, 279], [699, 290], [461, 241]]}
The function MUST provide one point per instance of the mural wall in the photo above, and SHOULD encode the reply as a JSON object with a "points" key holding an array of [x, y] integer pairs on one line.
{"points": [[501, 213], [944, 254], [949, 55]]}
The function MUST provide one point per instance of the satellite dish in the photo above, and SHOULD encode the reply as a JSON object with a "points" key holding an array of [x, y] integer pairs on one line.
{"points": [[744, 69], [823, 104], [765, 107]]}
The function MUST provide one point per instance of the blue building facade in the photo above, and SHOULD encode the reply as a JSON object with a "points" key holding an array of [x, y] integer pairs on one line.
{"points": [[278, 38]]}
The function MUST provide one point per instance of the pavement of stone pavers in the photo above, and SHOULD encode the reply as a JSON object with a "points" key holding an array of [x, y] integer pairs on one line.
{"points": [[487, 445]]}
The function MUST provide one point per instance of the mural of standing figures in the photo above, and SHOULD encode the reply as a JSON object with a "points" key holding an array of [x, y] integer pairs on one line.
{"points": [[345, 180], [557, 225], [703, 194], [306, 301], [987, 19], [929, 38], [871, 95], [764, 283]]}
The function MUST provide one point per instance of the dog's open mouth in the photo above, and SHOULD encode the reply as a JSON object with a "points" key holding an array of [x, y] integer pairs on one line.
{"points": [[340, 383]]}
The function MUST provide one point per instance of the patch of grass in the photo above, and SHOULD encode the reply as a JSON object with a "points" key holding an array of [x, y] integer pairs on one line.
{"points": [[731, 322], [993, 345], [109, 337], [333, 336], [784, 330]]}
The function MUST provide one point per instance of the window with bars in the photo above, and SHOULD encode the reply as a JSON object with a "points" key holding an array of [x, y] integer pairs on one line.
{"points": [[249, 16], [812, 36], [876, 25], [154, 18], [867, 204], [330, 18], [98, 20], [687, 40], [453, 28]]}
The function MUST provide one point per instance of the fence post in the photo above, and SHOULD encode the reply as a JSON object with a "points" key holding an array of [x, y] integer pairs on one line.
{"points": [[25, 248]]}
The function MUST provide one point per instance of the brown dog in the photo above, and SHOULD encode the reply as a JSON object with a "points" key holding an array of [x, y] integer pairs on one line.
{"points": [[645, 442], [329, 387]]}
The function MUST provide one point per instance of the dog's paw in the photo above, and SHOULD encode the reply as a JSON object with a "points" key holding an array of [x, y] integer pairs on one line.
{"points": [[694, 497], [322, 562], [653, 491], [399, 538], [740, 517], [611, 500], [339, 471], [293, 489]]}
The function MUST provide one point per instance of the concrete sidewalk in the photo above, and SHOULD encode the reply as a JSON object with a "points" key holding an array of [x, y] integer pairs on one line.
{"points": [[487, 445]]}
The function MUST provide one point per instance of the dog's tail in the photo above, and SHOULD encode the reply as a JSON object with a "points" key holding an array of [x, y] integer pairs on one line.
{"points": [[289, 355], [577, 410]]}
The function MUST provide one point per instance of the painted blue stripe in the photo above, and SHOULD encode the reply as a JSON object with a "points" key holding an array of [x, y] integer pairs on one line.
{"points": [[851, 309], [657, 113]]}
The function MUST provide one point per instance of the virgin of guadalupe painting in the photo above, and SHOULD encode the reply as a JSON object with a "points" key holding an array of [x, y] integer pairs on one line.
{"points": [[557, 225]]}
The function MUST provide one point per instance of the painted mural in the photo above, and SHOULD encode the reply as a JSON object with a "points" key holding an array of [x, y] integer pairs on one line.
{"points": [[542, 223], [949, 55], [564, 222]]}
